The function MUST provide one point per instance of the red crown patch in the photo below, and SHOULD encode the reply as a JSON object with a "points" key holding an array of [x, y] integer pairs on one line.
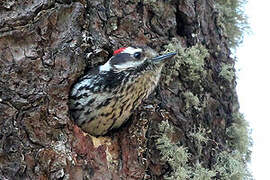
{"points": [[119, 50]]}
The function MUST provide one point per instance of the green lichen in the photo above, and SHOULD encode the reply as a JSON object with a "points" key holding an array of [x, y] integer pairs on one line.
{"points": [[232, 20], [176, 156], [189, 62], [194, 60], [227, 72], [230, 165], [201, 173], [149, 1], [239, 133], [200, 137], [191, 102]]}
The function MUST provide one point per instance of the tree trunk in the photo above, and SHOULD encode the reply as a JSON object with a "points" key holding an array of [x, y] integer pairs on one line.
{"points": [[46, 45]]}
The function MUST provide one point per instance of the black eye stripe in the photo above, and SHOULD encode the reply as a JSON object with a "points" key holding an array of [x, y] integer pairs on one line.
{"points": [[120, 58]]}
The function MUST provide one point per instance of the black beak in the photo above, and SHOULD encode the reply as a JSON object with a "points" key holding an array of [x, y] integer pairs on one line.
{"points": [[163, 57]]}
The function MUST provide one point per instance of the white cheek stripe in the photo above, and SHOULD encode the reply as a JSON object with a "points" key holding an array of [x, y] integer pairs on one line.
{"points": [[106, 67], [131, 50], [128, 64]]}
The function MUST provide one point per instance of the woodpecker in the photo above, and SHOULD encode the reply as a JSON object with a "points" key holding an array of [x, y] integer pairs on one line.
{"points": [[105, 97]]}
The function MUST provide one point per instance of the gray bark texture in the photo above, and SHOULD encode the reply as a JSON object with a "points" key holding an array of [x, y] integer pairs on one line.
{"points": [[46, 45]]}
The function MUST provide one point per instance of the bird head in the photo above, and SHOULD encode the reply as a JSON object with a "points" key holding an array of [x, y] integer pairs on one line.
{"points": [[135, 59]]}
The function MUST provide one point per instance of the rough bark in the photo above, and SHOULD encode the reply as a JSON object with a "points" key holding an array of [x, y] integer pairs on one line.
{"points": [[46, 45]]}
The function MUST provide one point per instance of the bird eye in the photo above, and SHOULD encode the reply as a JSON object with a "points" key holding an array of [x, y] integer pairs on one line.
{"points": [[137, 55]]}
